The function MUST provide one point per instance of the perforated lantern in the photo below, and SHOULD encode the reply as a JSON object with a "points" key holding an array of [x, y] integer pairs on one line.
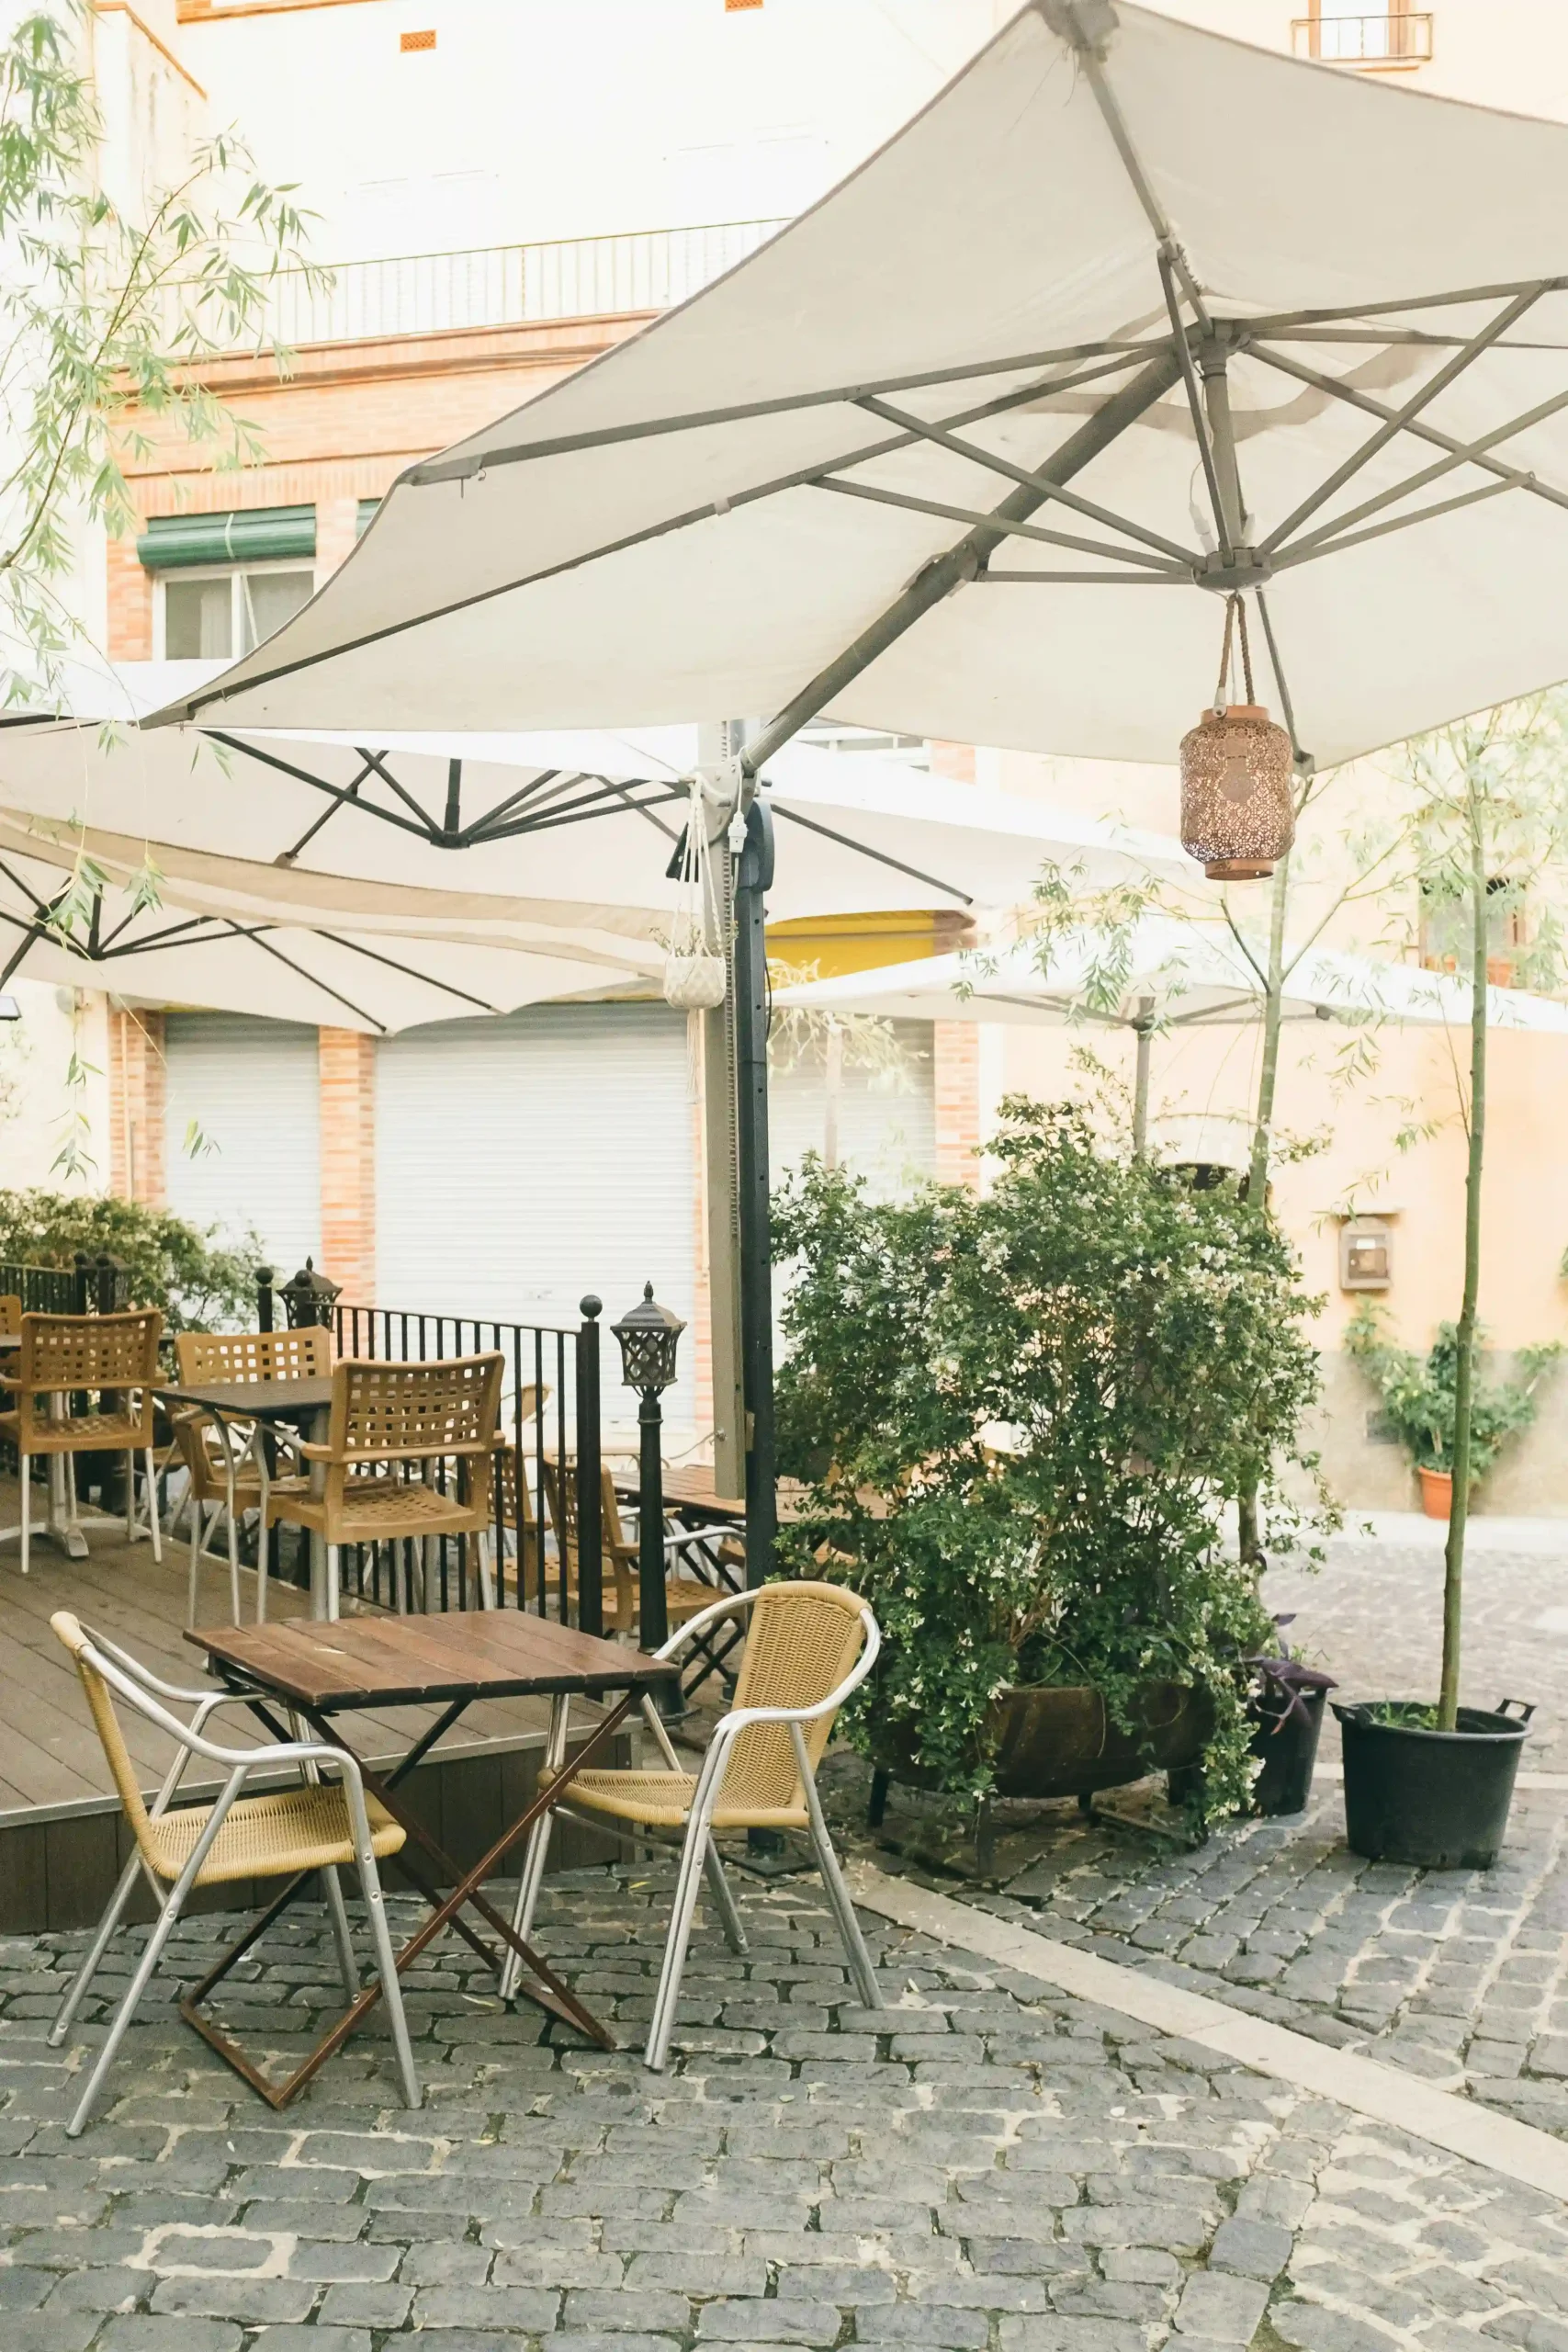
{"points": [[1238, 803]]}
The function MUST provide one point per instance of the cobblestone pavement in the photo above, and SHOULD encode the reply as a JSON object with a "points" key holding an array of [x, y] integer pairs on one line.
{"points": [[1460, 1976], [1373, 1617], [986, 2169]]}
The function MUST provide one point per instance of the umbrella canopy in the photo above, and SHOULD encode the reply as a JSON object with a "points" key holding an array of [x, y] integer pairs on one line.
{"points": [[1174, 977], [150, 921], [971, 450], [492, 827]]}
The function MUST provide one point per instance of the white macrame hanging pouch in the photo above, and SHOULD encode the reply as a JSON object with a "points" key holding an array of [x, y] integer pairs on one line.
{"points": [[694, 975]]}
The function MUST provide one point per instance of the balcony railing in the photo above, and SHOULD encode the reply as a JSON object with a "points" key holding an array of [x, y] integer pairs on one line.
{"points": [[1393, 37], [497, 286]]}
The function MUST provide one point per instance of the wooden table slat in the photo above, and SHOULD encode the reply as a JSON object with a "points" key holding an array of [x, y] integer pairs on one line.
{"points": [[357, 1662]]}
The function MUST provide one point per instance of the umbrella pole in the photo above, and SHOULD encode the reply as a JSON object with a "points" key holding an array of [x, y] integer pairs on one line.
{"points": [[753, 875], [1143, 1029]]}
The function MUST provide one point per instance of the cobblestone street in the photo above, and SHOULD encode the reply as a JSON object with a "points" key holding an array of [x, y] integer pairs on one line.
{"points": [[1461, 1977], [983, 2167]]}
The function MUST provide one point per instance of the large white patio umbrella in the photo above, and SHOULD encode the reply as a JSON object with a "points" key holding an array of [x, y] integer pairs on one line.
{"points": [[1130, 314], [294, 874], [1167, 975], [536, 819], [1132, 317]]}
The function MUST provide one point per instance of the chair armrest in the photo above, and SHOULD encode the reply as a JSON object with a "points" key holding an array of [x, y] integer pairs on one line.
{"points": [[308, 1453]]}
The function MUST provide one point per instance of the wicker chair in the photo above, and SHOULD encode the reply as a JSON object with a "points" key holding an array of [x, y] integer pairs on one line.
{"points": [[385, 1417], [10, 1315], [319, 1826], [64, 1356], [223, 1474], [684, 1597], [808, 1648]]}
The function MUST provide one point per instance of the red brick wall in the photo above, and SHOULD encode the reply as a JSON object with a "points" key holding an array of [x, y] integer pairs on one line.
{"points": [[136, 1099], [349, 1162]]}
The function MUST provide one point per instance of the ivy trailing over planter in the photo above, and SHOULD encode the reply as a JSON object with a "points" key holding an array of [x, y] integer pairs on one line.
{"points": [[1019, 1417]]}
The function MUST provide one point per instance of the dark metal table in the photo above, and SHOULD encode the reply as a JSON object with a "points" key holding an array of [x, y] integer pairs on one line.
{"points": [[254, 1404], [316, 1671]]}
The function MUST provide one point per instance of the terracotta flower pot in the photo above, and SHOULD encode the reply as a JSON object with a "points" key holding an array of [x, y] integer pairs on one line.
{"points": [[1436, 1492]]}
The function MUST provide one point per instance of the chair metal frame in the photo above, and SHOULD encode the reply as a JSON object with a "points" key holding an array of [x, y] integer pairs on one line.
{"points": [[699, 1854], [129, 1678]]}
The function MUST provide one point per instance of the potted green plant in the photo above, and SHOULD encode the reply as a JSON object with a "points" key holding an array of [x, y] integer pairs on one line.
{"points": [[1431, 1785], [1419, 1398], [1020, 1416]]}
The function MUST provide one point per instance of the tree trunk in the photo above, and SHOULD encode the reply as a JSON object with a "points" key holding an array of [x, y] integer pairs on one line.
{"points": [[1248, 1538], [1464, 1362]]}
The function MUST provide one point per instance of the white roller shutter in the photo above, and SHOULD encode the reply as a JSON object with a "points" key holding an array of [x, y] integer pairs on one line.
{"points": [[886, 1115], [248, 1093], [524, 1161]]}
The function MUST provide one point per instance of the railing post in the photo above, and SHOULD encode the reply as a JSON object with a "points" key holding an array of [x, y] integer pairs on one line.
{"points": [[589, 1511], [264, 1299]]}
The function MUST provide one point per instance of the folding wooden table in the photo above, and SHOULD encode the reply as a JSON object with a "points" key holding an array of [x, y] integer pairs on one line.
{"points": [[320, 1670]]}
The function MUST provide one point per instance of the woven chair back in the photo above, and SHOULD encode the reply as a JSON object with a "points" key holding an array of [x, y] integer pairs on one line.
{"points": [[64, 1354], [390, 1412], [560, 1506], [100, 1703], [10, 1315], [801, 1641], [206, 1357]]}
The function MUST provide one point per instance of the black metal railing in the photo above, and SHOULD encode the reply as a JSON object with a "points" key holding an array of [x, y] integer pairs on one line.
{"points": [[551, 1413], [88, 1285]]}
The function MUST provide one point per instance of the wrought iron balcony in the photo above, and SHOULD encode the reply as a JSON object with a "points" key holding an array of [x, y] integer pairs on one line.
{"points": [[1393, 37], [495, 286]]}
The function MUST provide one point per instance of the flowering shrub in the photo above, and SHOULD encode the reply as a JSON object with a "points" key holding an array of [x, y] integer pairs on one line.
{"points": [[1019, 1418]]}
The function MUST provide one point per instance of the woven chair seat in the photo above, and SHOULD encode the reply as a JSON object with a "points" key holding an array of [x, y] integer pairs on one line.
{"points": [[663, 1800], [374, 1510], [108, 1433], [270, 1836]]}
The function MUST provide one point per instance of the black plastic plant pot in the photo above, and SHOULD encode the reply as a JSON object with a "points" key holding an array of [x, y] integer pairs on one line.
{"points": [[1438, 1800], [1286, 1740]]}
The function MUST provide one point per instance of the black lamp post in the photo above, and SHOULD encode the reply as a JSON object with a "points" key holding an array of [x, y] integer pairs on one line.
{"points": [[649, 1336], [308, 1297]]}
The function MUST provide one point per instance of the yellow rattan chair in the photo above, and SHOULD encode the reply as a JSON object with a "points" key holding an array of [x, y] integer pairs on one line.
{"points": [[388, 1418], [10, 1315], [114, 1356], [808, 1648], [318, 1826], [223, 1474]]}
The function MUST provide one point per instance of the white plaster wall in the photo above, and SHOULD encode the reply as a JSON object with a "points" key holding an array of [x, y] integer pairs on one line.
{"points": [[35, 1053], [532, 120]]}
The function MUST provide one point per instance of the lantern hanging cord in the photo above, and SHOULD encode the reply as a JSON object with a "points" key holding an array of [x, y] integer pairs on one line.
{"points": [[1236, 621]]}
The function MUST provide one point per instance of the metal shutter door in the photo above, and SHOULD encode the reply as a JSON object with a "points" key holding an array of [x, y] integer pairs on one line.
{"points": [[886, 1120], [524, 1161], [252, 1088]]}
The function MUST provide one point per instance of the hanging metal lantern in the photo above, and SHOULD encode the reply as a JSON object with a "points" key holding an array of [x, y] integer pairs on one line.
{"points": [[1237, 776]]}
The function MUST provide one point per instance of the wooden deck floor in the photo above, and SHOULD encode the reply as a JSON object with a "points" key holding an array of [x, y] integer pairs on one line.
{"points": [[49, 1753]]}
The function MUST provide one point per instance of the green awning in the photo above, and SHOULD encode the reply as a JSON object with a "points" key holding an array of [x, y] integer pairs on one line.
{"points": [[249, 534]]}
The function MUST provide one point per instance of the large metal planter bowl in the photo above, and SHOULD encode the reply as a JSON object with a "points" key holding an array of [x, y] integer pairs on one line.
{"points": [[1052, 1741]]}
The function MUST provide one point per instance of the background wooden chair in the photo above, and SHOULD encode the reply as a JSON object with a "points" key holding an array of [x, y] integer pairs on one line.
{"points": [[10, 1315], [318, 1826], [808, 1648], [683, 1596], [113, 1357], [222, 1471], [387, 1418]]}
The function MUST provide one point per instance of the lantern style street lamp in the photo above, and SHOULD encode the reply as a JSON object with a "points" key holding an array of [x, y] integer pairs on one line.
{"points": [[649, 1336], [308, 1297]]}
